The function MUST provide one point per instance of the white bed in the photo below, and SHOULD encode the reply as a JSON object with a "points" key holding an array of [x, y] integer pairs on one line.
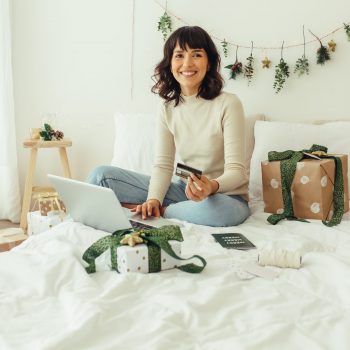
{"points": [[48, 301]]}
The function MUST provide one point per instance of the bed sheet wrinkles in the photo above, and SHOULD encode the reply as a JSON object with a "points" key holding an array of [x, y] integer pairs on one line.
{"points": [[47, 301]]}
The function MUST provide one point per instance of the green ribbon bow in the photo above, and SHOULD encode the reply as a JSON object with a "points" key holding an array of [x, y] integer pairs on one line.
{"points": [[288, 165], [156, 239]]}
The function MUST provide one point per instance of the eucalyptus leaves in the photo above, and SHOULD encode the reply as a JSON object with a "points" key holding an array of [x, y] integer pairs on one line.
{"points": [[164, 25], [224, 45], [302, 64], [281, 73]]}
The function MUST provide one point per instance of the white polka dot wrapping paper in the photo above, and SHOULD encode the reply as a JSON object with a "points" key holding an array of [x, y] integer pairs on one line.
{"points": [[311, 191], [135, 259]]}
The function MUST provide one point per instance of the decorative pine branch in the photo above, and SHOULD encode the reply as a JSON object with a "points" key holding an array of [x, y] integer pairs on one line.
{"points": [[322, 52], [322, 55], [347, 30]]}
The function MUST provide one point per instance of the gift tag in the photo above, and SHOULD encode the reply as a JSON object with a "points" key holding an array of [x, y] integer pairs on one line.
{"points": [[312, 155], [243, 275], [260, 271], [238, 264]]}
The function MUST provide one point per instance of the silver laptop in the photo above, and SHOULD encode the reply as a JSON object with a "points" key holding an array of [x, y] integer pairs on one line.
{"points": [[99, 207]]}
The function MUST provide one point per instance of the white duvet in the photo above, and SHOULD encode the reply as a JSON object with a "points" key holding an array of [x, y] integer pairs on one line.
{"points": [[48, 301]]}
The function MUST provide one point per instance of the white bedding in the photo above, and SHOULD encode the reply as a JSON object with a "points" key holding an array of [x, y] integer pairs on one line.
{"points": [[47, 301]]}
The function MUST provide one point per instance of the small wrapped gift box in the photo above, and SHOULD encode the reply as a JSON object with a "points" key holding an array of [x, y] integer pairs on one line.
{"points": [[48, 202], [136, 259], [38, 223], [144, 251], [10, 238], [312, 187]]}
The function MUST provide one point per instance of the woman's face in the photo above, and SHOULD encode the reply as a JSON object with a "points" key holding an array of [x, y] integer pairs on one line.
{"points": [[189, 68]]}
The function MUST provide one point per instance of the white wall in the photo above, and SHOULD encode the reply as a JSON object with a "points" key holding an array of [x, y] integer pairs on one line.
{"points": [[73, 57]]}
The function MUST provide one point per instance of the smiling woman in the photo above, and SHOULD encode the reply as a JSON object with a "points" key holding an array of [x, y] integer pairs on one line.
{"points": [[205, 126], [191, 50], [189, 67]]}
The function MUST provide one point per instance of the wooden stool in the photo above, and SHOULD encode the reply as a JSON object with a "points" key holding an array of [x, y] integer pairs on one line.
{"points": [[28, 188]]}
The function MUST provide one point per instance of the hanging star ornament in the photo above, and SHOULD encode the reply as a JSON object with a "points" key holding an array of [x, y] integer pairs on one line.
{"points": [[332, 45], [266, 63]]}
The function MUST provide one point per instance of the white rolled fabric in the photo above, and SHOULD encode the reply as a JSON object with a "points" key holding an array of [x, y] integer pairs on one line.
{"points": [[280, 258]]}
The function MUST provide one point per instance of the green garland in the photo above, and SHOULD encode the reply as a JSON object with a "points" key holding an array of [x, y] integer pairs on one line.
{"points": [[164, 25], [282, 69]]}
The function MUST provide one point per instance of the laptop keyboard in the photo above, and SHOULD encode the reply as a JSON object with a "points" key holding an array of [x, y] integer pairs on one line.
{"points": [[140, 226]]}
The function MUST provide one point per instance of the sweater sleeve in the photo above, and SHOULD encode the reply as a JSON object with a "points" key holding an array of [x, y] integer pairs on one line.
{"points": [[163, 165], [234, 175]]}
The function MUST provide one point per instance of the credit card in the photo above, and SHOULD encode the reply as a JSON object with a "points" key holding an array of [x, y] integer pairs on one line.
{"points": [[184, 171]]}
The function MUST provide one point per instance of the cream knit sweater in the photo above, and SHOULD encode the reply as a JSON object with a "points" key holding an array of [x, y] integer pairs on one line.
{"points": [[207, 135]]}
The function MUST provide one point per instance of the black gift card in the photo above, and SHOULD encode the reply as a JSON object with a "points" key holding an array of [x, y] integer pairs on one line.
{"points": [[233, 240], [184, 171]]}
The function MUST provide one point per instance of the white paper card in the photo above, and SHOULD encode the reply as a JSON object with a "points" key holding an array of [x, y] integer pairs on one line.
{"points": [[264, 272]]}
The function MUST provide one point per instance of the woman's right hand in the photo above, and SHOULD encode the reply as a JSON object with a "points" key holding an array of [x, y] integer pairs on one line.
{"points": [[149, 208]]}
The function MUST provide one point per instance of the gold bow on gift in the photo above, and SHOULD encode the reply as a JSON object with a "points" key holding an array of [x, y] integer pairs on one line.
{"points": [[319, 153], [132, 239], [47, 202]]}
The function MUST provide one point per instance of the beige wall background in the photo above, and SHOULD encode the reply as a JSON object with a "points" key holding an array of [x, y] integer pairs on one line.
{"points": [[74, 58]]}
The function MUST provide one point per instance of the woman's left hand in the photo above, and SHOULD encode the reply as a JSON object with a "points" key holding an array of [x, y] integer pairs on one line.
{"points": [[199, 189]]}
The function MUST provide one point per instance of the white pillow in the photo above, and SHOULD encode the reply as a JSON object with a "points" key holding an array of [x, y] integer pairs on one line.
{"points": [[281, 136], [134, 140], [249, 137]]}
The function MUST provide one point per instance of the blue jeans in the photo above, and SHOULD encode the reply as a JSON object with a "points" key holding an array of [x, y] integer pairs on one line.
{"points": [[131, 187]]}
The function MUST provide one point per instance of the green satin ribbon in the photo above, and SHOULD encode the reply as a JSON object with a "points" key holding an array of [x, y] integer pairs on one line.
{"points": [[156, 239], [288, 164]]}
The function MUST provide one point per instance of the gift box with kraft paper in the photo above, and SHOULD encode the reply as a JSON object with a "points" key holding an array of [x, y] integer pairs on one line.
{"points": [[136, 259], [48, 202], [312, 187], [38, 223]]}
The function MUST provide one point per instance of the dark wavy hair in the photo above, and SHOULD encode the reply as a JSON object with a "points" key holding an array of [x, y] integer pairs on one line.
{"points": [[166, 85]]}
